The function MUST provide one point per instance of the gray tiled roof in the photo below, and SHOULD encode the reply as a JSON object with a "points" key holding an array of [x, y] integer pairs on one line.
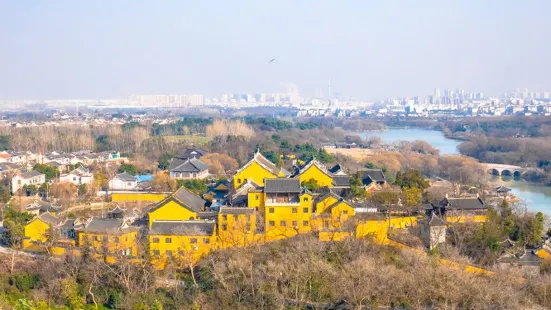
{"points": [[49, 219], [336, 168], [464, 203], [191, 165], [107, 226], [126, 177], [182, 228], [188, 198], [32, 174], [341, 180], [184, 197], [229, 210], [375, 175], [282, 186]]}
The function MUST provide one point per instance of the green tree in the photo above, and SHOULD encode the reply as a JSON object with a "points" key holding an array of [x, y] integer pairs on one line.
{"points": [[82, 189], [164, 161], [507, 218], [50, 172], [311, 185], [196, 186], [128, 168], [29, 190], [412, 196], [73, 167], [411, 178]]}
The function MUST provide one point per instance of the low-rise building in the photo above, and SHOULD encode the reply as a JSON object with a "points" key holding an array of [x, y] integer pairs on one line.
{"points": [[78, 176], [123, 182], [27, 178], [190, 169]]}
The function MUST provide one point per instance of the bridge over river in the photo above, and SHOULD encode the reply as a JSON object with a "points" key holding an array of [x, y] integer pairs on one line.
{"points": [[508, 170]]}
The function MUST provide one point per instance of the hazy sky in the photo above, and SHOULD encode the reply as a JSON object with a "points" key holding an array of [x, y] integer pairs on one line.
{"points": [[371, 49]]}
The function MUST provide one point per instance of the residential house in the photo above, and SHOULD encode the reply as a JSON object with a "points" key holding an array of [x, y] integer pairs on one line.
{"points": [[190, 169], [27, 178], [38, 207], [372, 179], [78, 176], [123, 182], [185, 155]]}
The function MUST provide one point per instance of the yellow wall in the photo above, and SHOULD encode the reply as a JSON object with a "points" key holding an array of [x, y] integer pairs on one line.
{"points": [[171, 211], [36, 230], [131, 197], [255, 172], [109, 243], [255, 200], [284, 213], [467, 219], [313, 172], [323, 204], [378, 229], [236, 230], [184, 252]]}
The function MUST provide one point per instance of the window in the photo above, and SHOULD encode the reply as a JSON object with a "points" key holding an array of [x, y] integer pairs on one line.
{"points": [[304, 223], [305, 199], [224, 226], [248, 227], [156, 252], [129, 184], [155, 240], [105, 239], [224, 217], [257, 197], [345, 212], [271, 210], [193, 240], [181, 252], [294, 210], [191, 218], [271, 223], [116, 239], [282, 223], [95, 238], [305, 210], [295, 223], [206, 240], [168, 253], [168, 240], [238, 181]]}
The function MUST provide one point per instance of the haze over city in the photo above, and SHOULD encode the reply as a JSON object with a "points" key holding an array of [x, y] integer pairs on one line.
{"points": [[371, 50]]}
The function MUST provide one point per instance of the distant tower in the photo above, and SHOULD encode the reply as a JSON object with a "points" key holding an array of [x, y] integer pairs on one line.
{"points": [[329, 88]]}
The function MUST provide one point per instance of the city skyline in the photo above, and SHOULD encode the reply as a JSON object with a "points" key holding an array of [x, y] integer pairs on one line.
{"points": [[365, 50]]}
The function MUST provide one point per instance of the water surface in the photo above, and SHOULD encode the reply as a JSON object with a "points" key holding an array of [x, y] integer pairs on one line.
{"points": [[434, 137]]}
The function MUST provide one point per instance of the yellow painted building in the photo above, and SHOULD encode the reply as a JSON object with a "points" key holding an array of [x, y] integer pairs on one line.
{"points": [[287, 209], [258, 169], [182, 205], [236, 227], [317, 171], [331, 212], [180, 243], [111, 236], [39, 228], [138, 197]]}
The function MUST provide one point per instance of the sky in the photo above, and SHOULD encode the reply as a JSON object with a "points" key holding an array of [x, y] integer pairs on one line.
{"points": [[68, 49]]}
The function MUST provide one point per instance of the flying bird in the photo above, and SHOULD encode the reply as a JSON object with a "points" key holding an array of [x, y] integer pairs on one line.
{"points": [[271, 60]]}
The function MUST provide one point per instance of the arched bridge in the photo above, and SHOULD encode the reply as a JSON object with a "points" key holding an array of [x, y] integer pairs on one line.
{"points": [[509, 170]]}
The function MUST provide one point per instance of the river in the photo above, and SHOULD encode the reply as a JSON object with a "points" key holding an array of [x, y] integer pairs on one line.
{"points": [[434, 137], [536, 196]]}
